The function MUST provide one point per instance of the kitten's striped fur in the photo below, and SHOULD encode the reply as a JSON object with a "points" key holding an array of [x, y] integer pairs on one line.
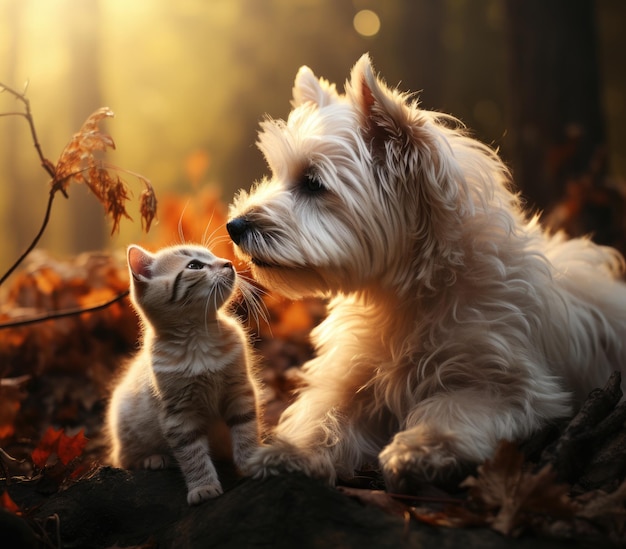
{"points": [[194, 368]]}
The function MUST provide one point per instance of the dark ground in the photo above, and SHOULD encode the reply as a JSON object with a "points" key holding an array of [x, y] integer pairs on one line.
{"points": [[513, 501], [115, 508]]}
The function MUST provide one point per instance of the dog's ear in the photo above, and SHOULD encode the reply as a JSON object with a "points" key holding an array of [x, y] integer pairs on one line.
{"points": [[386, 114], [308, 88], [400, 136]]}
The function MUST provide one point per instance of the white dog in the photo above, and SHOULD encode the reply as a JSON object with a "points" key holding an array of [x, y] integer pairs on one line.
{"points": [[455, 321]]}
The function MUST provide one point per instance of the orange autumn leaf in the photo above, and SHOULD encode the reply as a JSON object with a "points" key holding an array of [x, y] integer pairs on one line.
{"points": [[11, 396], [6, 431], [46, 447], [71, 447], [7, 503], [196, 165], [57, 442], [96, 296], [296, 317], [8, 412], [77, 161], [147, 206], [47, 280]]}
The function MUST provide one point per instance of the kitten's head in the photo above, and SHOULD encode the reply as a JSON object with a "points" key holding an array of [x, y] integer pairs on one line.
{"points": [[179, 283]]}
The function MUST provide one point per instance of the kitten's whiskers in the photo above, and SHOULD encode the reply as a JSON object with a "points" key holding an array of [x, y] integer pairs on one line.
{"points": [[206, 242], [181, 233], [252, 297]]}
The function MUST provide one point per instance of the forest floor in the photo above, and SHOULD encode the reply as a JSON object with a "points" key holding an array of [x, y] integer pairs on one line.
{"points": [[564, 487]]}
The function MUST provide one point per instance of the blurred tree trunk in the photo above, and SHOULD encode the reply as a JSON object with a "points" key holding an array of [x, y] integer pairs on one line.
{"points": [[409, 46], [419, 39], [557, 125], [87, 226]]}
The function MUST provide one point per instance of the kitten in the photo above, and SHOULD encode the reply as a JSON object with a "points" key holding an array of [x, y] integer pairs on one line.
{"points": [[194, 369]]}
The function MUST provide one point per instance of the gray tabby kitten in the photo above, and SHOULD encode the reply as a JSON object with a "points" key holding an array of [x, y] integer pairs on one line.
{"points": [[194, 368]]}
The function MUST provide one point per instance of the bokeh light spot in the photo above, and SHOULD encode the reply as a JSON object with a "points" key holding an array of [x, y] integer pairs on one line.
{"points": [[366, 23]]}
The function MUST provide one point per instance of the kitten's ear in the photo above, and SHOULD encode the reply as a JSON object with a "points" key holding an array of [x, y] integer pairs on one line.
{"points": [[307, 88], [139, 262]]}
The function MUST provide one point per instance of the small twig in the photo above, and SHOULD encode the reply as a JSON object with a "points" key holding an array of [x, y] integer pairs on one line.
{"points": [[35, 240], [47, 165], [57, 531], [65, 313], [8, 457], [429, 499]]}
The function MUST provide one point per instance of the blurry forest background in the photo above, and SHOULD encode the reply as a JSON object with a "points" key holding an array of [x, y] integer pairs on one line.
{"points": [[190, 80]]}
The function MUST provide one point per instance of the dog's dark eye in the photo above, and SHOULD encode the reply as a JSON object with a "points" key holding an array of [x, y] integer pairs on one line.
{"points": [[195, 265], [312, 183]]}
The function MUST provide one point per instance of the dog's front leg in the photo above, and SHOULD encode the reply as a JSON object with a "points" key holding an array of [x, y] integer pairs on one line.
{"points": [[447, 434], [309, 439]]}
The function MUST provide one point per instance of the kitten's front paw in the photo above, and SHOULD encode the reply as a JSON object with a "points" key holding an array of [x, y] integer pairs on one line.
{"points": [[157, 461], [407, 463], [203, 493], [282, 457]]}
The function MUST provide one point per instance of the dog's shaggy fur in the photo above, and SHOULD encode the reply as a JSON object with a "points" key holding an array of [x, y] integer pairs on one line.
{"points": [[455, 322]]}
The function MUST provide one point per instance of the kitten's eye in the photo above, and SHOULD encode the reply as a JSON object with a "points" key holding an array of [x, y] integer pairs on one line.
{"points": [[195, 265], [311, 182]]}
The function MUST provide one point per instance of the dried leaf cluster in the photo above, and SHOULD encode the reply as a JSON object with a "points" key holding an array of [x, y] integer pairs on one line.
{"points": [[79, 162]]}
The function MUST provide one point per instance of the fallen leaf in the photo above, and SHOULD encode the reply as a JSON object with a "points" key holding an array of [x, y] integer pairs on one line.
{"points": [[7, 503], [376, 498], [71, 447], [600, 505], [453, 514], [515, 495], [47, 446], [57, 442], [11, 396]]}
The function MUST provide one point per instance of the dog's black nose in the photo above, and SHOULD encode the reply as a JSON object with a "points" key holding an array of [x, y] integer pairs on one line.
{"points": [[236, 228]]}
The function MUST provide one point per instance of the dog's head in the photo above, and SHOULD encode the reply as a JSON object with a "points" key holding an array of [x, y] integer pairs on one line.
{"points": [[366, 191]]}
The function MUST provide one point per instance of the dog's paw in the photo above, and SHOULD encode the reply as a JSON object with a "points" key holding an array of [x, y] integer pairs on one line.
{"points": [[271, 460], [202, 493], [157, 461], [407, 464]]}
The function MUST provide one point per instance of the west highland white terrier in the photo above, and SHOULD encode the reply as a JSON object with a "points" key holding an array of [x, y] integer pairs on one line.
{"points": [[455, 320]]}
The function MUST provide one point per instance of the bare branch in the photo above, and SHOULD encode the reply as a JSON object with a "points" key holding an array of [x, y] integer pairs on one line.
{"points": [[46, 164], [35, 240], [64, 314]]}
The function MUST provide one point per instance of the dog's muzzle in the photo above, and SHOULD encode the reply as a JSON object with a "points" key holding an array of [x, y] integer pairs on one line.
{"points": [[237, 228]]}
